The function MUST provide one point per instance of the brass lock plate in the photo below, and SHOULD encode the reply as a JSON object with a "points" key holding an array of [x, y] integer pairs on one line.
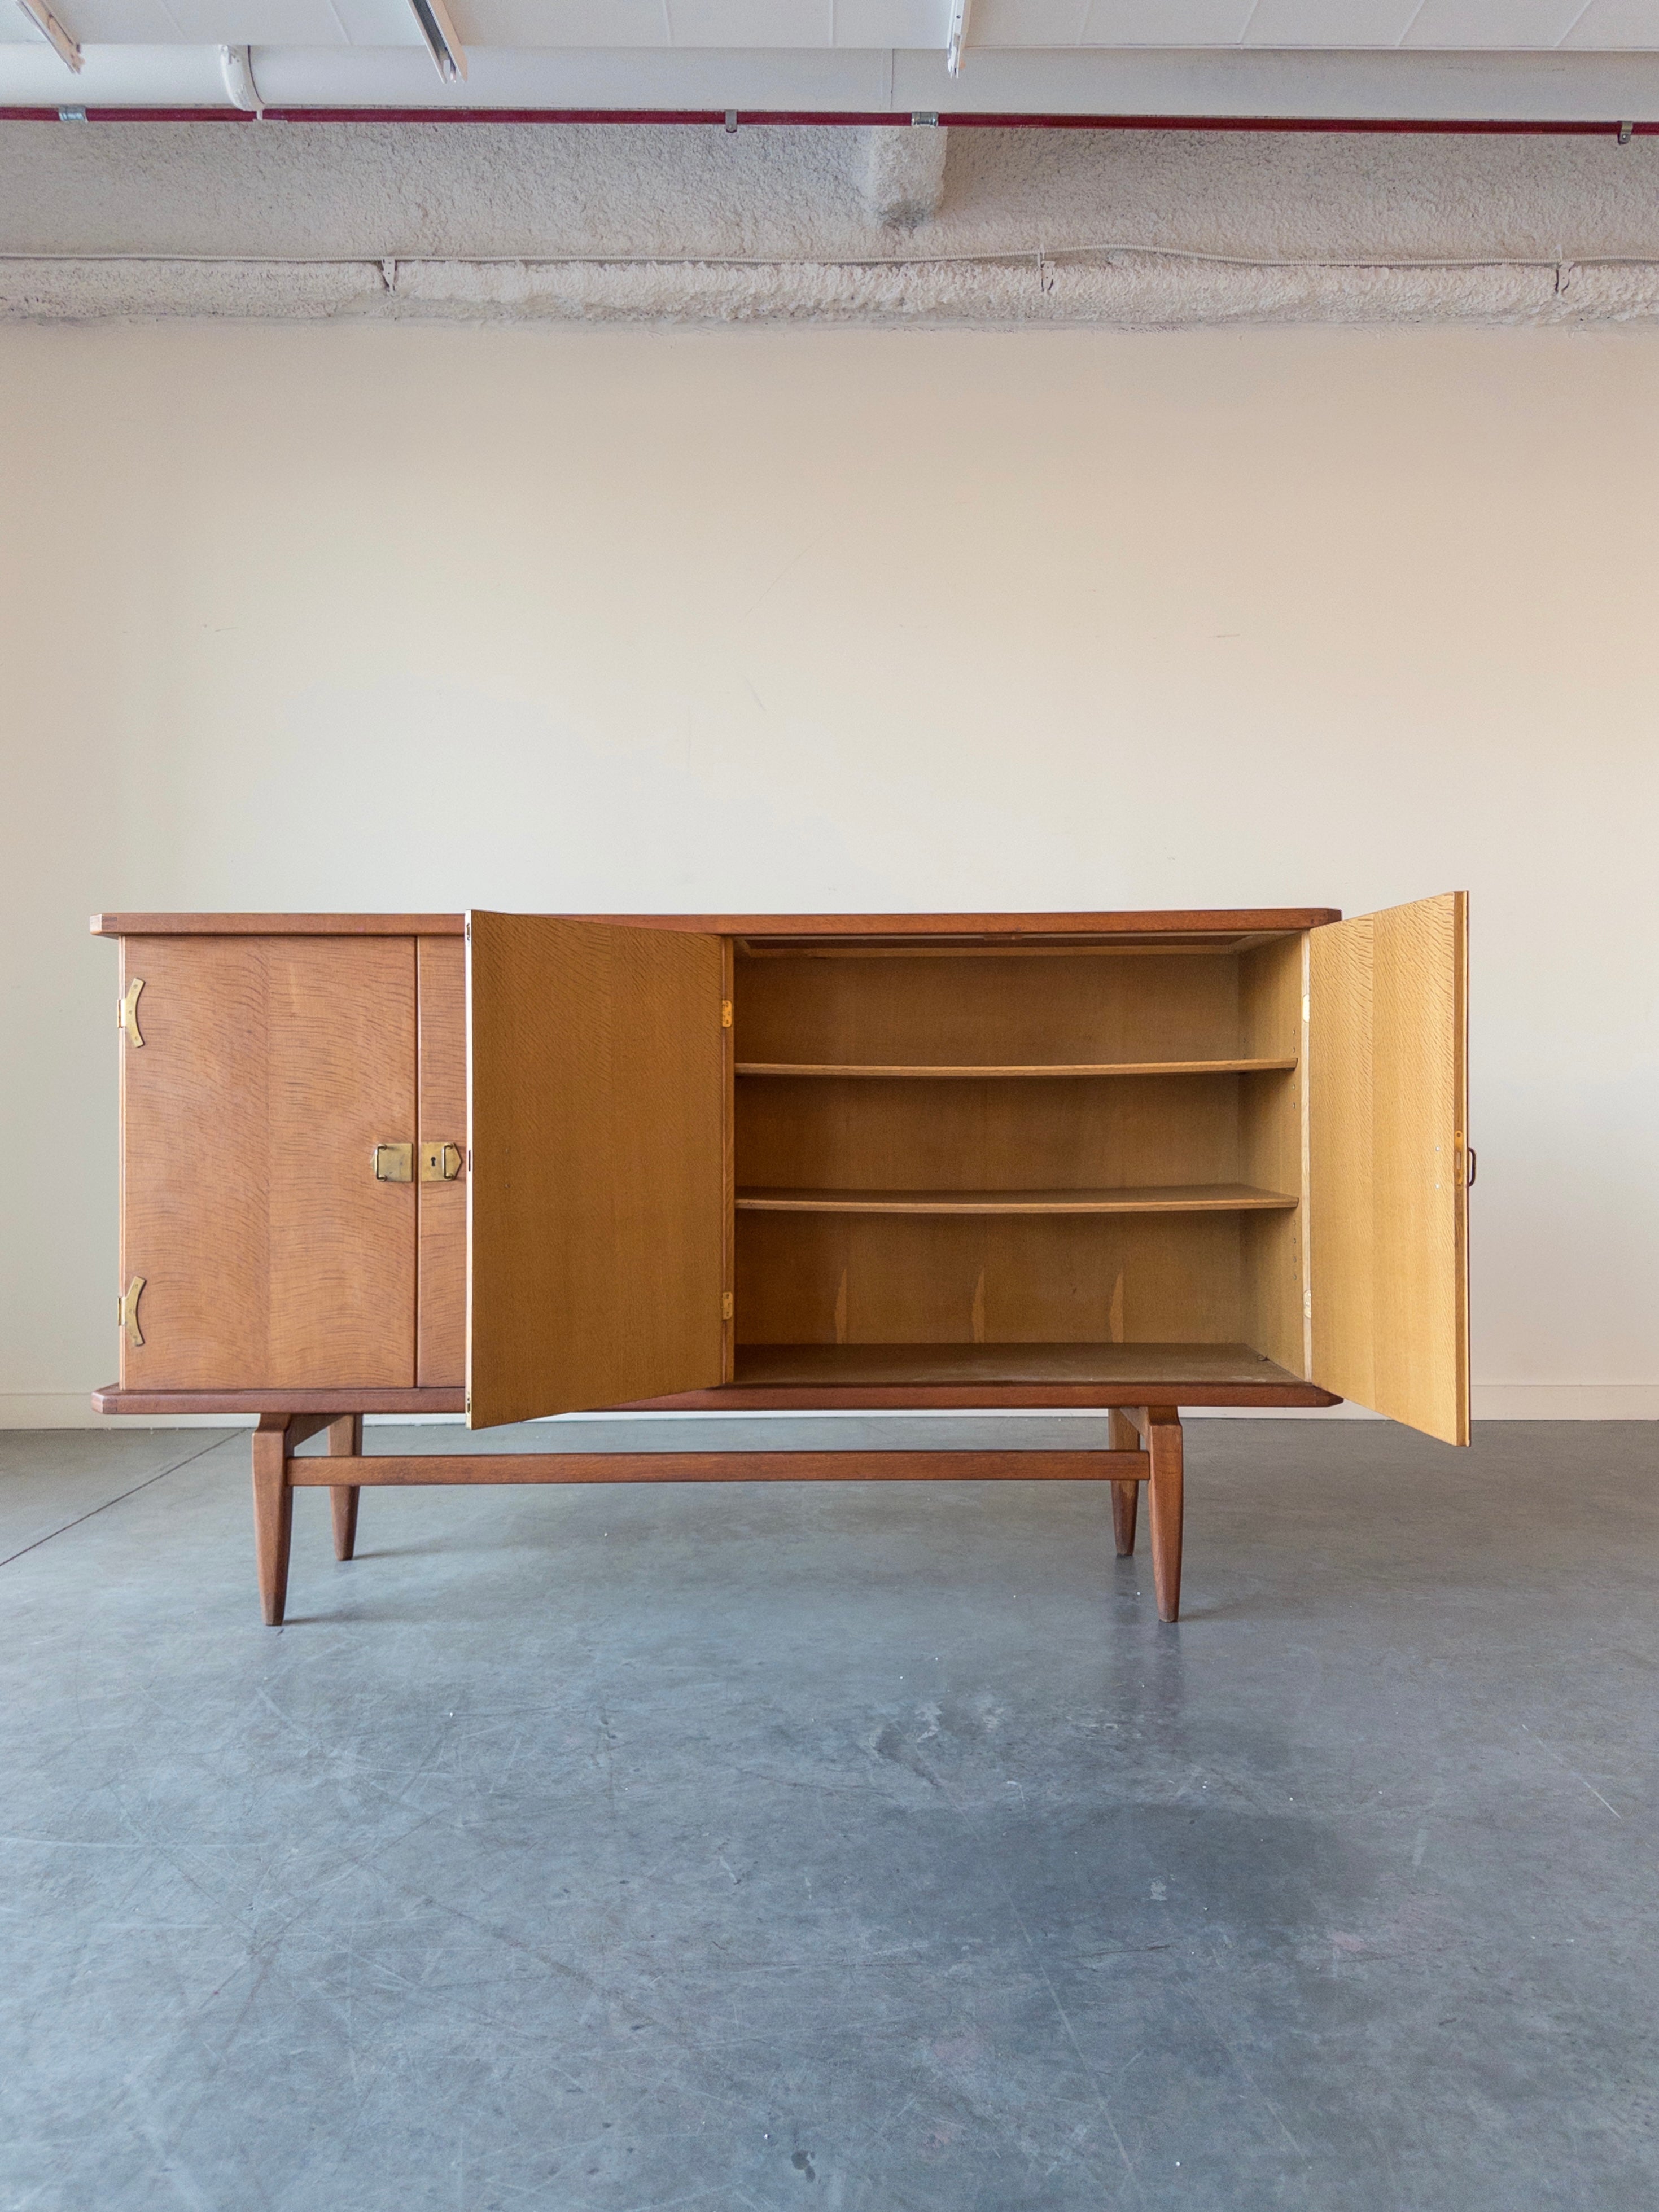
{"points": [[394, 1163], [440, 1163]]}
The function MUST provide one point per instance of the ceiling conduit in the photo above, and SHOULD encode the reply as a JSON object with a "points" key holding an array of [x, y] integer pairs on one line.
{"points": [[1359, 91]]}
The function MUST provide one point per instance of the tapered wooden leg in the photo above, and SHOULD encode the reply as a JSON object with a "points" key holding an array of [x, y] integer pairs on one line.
{"points": [[1162, 1435], [1126, 1496], [345, 1439], [273, 1514]]}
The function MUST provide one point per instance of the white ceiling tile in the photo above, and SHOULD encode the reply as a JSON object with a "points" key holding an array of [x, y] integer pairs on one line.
{"points": [[256, 22], [1611, 24], [385, 23], [571, 23], [892, 22], [1463, 26], [111, 22], [1329, 22], [1165, 22], [1025, 23], [768, 23]]}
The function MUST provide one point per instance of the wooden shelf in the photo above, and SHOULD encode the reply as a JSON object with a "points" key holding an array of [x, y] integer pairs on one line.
{"points": [[1185, 1198], [854, 1366], [1038, 1069]]}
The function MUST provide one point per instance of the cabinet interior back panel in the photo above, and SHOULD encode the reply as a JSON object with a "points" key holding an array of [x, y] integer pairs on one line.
{"points": [[876, 1279], [1037, 1134], [1051, 1008], [1157, 1280]]}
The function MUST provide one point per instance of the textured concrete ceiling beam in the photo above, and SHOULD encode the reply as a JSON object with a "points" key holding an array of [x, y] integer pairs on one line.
{"points": [[905, 173], [1130, 292], [644, 222]]}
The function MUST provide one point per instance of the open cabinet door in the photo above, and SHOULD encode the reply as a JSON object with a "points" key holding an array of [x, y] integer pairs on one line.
{"points": [[1388, 1119], [598, 1075]]}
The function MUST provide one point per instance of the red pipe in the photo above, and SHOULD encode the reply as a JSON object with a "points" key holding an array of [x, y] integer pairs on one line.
{"points": [[763, 119]]}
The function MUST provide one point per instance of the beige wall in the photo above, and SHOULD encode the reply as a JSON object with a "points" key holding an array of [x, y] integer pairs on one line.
{"points": [[347, 616]]}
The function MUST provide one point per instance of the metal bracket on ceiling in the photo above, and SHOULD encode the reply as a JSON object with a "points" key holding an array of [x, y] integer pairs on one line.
{"points": [[956, 39], [48, 24], [443, 40]]}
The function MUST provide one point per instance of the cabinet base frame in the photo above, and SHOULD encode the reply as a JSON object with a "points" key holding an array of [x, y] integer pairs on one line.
{"points": [[1154, 1458], [1146, 1447]]}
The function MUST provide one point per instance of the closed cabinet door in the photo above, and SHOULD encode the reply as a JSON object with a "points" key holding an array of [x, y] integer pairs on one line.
{"points": [[268, 1192], [600, 1201], [1388, 1162]]}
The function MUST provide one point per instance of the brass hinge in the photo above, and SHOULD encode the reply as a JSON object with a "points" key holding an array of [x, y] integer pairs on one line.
{"points": [[126, 1310], [725, 1013], [126, 1013], [1463, 1153], [726, 1305], [440, 1163], [394, 1163]]}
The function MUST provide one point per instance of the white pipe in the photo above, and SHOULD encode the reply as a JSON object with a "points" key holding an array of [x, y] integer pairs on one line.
{"points": [[848, 80], [114, 76]]}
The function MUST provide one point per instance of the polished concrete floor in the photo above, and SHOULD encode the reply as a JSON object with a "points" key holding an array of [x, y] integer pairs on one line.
{"points": [[864, 1847]]}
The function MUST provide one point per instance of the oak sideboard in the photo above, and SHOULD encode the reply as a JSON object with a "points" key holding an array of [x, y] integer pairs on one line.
{"points": [[515, 1165]]}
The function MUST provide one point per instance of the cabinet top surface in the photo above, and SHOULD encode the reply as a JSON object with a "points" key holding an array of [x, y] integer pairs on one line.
{"points": [[1200, 921]]}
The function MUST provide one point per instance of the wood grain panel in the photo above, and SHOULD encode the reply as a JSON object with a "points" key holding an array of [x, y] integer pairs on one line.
{"points": [[1171, 1198], [1017, 927], [271, 1067], [441, 1347], [1196, 921], [1004, 1008], [1272, 1150], [1039, 1463], [597, 1073], [1161, 1135], [728, 1168], [1136, 1133], [1007, 1397], [1174, 1366], [348, 1398], [1022, 1071], [828, 1279], [1388, 1100], [277, 924], [729, 1397]]}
